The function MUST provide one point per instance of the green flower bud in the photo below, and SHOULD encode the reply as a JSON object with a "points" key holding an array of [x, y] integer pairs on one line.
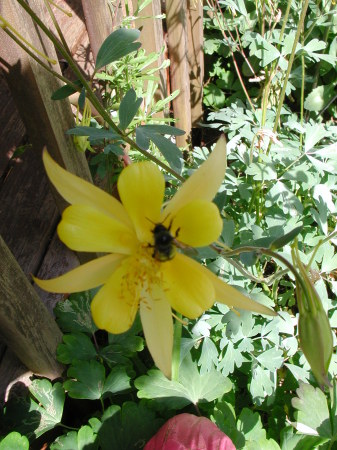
{"points": [[315, 337], [313, 325]]}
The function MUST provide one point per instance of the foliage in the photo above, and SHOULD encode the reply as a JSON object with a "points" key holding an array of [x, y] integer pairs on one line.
{"points": [[247, 373]]}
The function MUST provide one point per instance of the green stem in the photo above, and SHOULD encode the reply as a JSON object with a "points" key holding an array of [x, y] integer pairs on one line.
{"points": [[268, 252], [42, 64], [290, 63], [178, 326]]}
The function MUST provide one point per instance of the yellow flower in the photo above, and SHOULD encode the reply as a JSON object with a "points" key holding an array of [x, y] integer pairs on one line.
{"points": [[142, 268]]}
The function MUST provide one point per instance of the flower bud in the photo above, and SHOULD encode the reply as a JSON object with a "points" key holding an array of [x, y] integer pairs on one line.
{"points": [[313, 326]]}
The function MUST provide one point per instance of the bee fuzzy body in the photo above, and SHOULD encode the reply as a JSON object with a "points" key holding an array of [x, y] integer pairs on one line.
{"points": [[163, 247]]}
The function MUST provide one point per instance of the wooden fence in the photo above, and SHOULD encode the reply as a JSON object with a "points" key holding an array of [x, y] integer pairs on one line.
{"points": [[26, 325]]}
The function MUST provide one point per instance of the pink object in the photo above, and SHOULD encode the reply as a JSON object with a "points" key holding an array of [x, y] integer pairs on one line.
{"points": [[189, 432]]}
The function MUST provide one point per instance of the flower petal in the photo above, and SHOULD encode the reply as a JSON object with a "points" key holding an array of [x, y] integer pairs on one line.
{"points": [[224, 293], [89, 275], [115, 305], [197, 224], [187, 286], [156, 317], [141, 188], [75, 190], [86, 229], [204, 183]]}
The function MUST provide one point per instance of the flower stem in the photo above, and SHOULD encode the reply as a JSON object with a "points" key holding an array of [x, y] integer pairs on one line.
{"points": [[178, 326], [290, 63]]}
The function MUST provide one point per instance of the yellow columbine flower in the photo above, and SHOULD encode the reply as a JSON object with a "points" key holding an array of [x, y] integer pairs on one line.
{"points": [[142, 267]]}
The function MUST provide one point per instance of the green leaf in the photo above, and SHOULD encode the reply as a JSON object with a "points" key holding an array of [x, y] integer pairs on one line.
{"points": [[88, 380], [128, 108], [262, 171], [292, 441], [312, 416], [250, 425], [113, 148], [299, 373], [191, 387], [286, 238], [84, 439], [214, 96], [209, 356], [319, 97], [281, 195], [271, 359], [50, 404], [329, 262], [77, 346], [64, 91], [14, 441], [117, 381], [223, 416], [262, 384], [93, 133], [172, 154], [74, 313], [231, 359], [118, 44], [127, 428]]}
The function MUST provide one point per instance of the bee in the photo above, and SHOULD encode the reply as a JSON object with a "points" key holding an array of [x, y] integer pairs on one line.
{"points": [[164, 243]]}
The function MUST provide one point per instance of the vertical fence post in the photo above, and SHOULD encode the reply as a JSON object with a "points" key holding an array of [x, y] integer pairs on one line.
{"points": [[25, 323], [179, 69], [98, 22], [195, 57]]}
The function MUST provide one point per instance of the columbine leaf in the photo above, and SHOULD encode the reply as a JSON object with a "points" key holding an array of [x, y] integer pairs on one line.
{"points": [[118, 44], [50, 404], [262, 384], [312, 411], [262, 171], [191, 387], [284, 198], [117, 381], [319, 97], [74, 313], [271, 359], [88, 382], [250, 425], [14, 441], [128, 108], [84, 439], [293, 441], [125, 428], [76, 346]]}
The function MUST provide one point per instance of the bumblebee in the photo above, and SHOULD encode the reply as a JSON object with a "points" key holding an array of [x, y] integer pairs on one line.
{"points": [[164, 243]]}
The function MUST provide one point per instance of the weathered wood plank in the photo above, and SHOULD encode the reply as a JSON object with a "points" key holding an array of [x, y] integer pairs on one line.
{"points": [[46, 120], [12, 128], [179, 68], [27, 210], [98, 22], [25, 323], [152, 40], [57, 261], [14, 376], [195, 56]]}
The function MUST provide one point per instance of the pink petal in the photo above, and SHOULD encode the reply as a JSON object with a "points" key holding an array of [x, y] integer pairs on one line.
{"points": [[189, 432]]}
